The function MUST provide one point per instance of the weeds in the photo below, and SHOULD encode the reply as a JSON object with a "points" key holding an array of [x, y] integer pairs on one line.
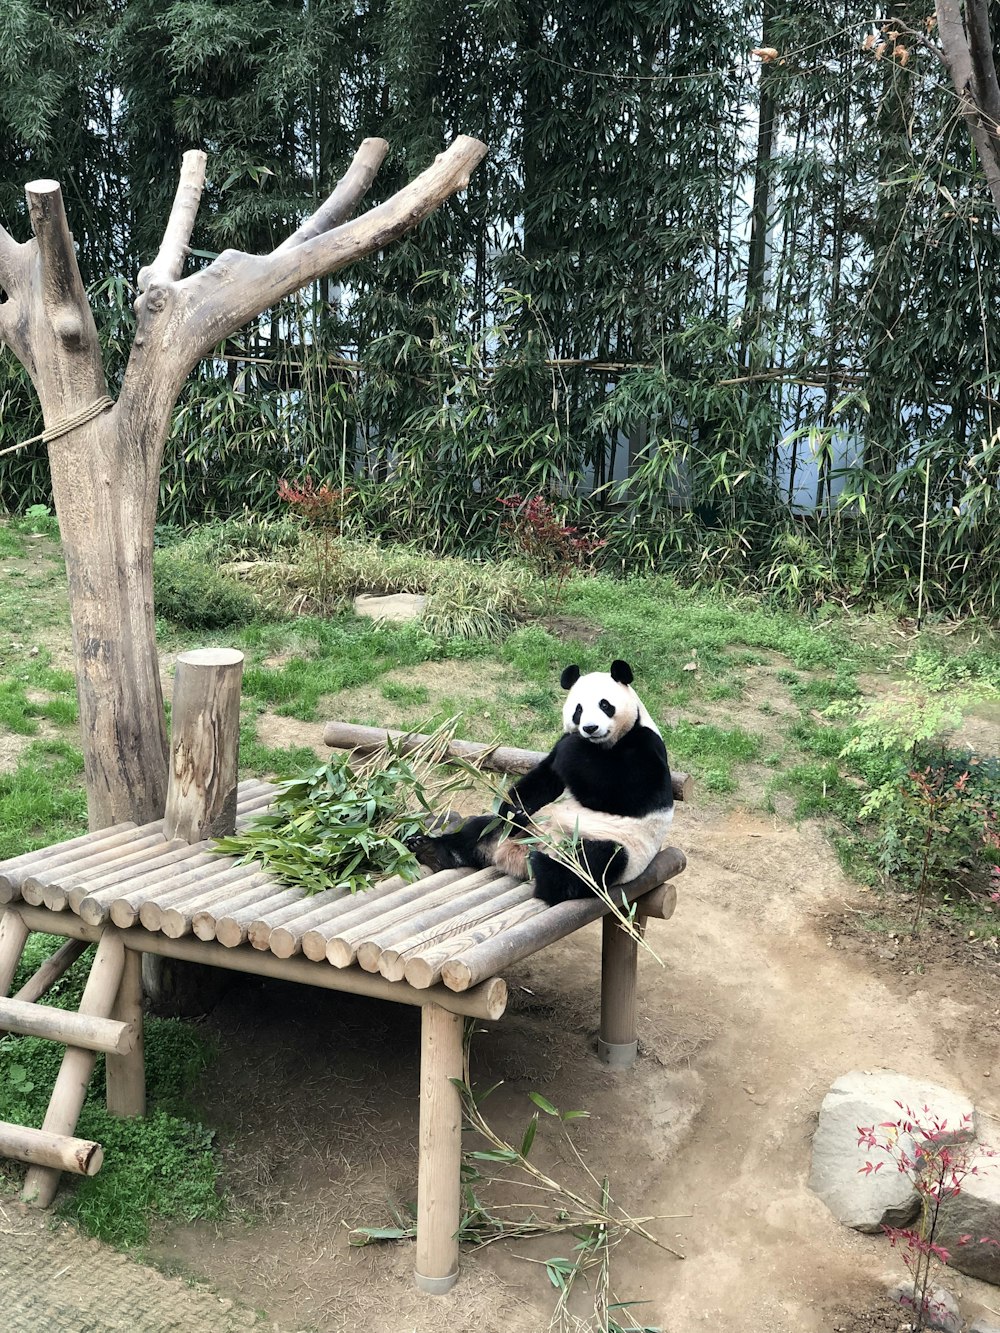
{"points": [[553, 548]]}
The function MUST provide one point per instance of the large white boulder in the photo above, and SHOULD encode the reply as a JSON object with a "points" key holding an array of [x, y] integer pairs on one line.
{"points": [[868, 1199], [395, 606]]}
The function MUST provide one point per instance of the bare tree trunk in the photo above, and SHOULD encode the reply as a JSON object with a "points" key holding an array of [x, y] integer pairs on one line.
{"points": [[966, 48], [105, 458]]}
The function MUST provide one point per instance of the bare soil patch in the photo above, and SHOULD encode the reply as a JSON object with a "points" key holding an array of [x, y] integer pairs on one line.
{"points": [[754, 1012]]}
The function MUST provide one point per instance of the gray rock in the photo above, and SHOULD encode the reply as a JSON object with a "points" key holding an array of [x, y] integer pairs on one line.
{"points": [[983, 1326], [942, 1310], [397, 606], [974, 1212], [884, 1196]]}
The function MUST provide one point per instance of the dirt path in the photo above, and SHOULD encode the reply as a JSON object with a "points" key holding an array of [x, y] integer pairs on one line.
{"points": [[757, 1010]]}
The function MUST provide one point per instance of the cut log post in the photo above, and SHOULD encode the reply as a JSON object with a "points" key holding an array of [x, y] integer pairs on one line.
{"points": [[13, 937], [499, 758], [125, 1073], [68, 1096], [63, 1025], [440, 1162], [617, 1042], [54, 967], [59, 1152], [204, 745], [660, 904]]}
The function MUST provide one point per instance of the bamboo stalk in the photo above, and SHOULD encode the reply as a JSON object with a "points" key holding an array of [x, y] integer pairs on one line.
{"points": [[391, 962], [500, 758], [342, 947], [229, 922], [492, 955]]}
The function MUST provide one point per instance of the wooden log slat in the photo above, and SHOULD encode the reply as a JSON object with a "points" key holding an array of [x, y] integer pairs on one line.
{"points": [[421, 923], [229, 922], [423, 968], [342, 948], [194, 887], [33, 885], [370, 904], [284, 934], [492, 955], [499, 758], [156, 885], [487, 1000], [391, 961], [11, 870], [177, 920], [660, 903], [75, 889], [38, 1148], [72, 1029], [60, 854], [54, 967]]}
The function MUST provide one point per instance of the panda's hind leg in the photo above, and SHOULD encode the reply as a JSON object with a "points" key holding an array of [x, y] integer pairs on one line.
{"points": [[555, 883], [471, 844]]}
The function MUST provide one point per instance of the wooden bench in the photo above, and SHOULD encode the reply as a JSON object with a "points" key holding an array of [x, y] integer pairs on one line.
{"points": [[158, 888]]}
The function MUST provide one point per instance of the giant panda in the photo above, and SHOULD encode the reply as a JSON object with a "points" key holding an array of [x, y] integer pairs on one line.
{"points": [[605, 783]]}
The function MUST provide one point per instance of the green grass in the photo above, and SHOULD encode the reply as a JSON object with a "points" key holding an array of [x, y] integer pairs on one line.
{"points": [[819, 790], [162, 1165], [42, 801]]}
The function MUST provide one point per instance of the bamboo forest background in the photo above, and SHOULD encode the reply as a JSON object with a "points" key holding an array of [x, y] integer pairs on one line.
{"points": [[737, 316]]}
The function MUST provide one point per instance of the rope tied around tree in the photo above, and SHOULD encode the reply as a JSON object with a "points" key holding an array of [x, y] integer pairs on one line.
{"points": [[64, 427]]}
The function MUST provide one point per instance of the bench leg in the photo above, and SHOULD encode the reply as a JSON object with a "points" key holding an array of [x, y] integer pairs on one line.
{"points": [[126, 1074], [617, 1042], [439, 1188], [13, 937]]}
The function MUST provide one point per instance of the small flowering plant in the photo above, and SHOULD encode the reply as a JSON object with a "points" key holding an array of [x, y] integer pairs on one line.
{"points": [[553, 547], [321, 509], [939, 1159]]}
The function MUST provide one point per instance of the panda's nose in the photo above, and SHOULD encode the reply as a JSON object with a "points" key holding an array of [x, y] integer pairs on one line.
{"points": [[590, 728]]}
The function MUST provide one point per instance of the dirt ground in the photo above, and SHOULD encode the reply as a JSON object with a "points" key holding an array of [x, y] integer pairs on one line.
{"points": [[766, 993]]}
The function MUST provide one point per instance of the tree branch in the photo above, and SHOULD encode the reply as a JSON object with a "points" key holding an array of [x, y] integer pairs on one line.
{"points": [[355, 182], [957, 56], [169, 262], [980, 41], [238, 286], [69, 374]]}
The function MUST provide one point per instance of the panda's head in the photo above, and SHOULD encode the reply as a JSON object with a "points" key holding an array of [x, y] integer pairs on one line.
{"points": [[602, 706]]}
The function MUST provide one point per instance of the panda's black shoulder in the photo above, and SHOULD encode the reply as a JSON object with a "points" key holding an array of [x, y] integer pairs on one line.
{"points": [[629, 778]]}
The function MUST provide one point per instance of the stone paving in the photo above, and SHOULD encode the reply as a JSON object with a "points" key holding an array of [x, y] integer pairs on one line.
{"points": [[53, 1280]]}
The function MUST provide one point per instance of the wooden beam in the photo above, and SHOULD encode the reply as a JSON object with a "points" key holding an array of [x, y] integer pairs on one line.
{"points": [[497, 758], [13, 937], [125, 1073], [54, 967], [59, 1152], [440, 1161], [487, 1000], [617, 1040], [66, 1026]]}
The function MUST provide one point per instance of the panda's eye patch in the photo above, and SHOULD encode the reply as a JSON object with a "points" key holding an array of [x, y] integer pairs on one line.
{"points": [[605, 707], [577, 714]]}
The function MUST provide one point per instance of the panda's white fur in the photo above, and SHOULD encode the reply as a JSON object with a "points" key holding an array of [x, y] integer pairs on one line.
{"points": [[605, 783]]}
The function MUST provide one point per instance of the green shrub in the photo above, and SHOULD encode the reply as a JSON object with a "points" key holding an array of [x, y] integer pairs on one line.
{"points": [[193, 594]]}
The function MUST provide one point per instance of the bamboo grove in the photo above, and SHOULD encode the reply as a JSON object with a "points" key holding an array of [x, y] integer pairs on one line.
{"points": [[736, 312]]}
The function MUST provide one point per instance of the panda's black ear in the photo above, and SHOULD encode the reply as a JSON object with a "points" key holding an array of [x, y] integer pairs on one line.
{"points": [[569, 677], [621, 672]]}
